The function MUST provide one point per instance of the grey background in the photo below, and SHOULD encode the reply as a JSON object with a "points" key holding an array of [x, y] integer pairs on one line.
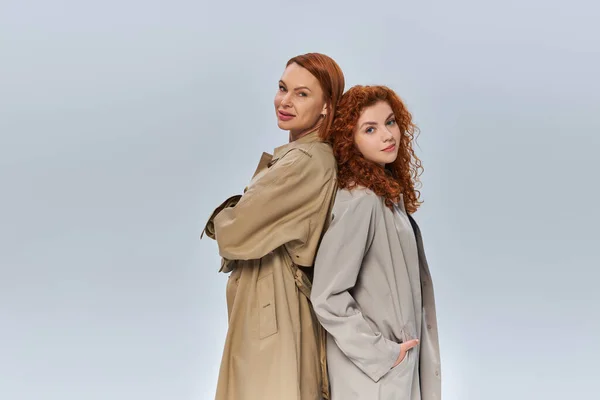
{"points": [[124, 123]]}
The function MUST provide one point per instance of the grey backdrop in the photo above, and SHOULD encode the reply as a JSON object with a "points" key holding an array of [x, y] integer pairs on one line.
{"points": [[124, 123]]}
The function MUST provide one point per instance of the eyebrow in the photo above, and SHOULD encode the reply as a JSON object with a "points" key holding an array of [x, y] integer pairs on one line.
{"points": [[374, 123], [298, 88]]}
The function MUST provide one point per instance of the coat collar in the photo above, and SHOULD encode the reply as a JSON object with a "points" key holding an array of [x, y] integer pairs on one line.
{"points": [[308, 138]]}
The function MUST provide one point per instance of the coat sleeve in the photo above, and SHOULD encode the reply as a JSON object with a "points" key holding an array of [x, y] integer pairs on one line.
{"points": [[337, 266], [275, 210]]}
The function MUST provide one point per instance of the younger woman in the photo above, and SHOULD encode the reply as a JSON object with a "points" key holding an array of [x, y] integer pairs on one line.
{"points": [[372, 289]]}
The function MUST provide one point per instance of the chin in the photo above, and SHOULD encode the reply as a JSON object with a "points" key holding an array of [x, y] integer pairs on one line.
{"points": [[283, 125]]}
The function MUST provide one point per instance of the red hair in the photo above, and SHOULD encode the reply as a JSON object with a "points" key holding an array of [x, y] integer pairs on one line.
{"points": [[330, 77], [399, 177]]}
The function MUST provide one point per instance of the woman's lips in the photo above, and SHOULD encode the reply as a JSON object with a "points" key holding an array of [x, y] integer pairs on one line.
{"points": [[284, 116]]}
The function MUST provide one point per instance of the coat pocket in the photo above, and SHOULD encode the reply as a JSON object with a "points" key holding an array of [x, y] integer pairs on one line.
{"points": [[400, 368], [267, 318], [398, 383]]}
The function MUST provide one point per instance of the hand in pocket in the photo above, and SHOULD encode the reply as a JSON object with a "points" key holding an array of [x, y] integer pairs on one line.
{"points": [[404, 347]]}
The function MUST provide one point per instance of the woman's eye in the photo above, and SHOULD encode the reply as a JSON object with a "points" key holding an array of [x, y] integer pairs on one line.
{"points": [[281, 88], [391, 122], [302, 94], [370, 130]]}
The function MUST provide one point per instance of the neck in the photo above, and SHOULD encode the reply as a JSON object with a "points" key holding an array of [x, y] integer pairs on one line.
{"points": [[295, 135]]}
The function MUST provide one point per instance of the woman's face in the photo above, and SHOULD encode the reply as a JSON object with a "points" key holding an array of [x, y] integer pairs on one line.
{"points": [[299, 102], [377, 135]]}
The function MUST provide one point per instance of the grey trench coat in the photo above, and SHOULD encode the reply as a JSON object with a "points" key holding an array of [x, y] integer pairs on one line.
{"points": [[369, 300]]}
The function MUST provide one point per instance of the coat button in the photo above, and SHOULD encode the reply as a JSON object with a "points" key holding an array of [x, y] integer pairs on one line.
{"points": [[437, 373], [428, 326]]}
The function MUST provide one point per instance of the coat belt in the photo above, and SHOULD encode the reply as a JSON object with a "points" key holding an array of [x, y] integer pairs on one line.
{"points": [[304, 284]]}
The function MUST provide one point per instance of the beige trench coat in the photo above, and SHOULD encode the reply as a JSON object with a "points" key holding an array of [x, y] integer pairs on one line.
{"points": [[275, 347]]}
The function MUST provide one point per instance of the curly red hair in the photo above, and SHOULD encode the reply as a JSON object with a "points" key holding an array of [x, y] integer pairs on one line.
{"points": [[399, 177]]}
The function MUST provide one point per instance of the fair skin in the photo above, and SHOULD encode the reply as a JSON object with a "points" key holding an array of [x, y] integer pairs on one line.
{"points": [[377, 137], [299, 103]]}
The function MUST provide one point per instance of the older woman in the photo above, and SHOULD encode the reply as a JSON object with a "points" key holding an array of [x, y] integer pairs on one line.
{"points": [[268, 238]]}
